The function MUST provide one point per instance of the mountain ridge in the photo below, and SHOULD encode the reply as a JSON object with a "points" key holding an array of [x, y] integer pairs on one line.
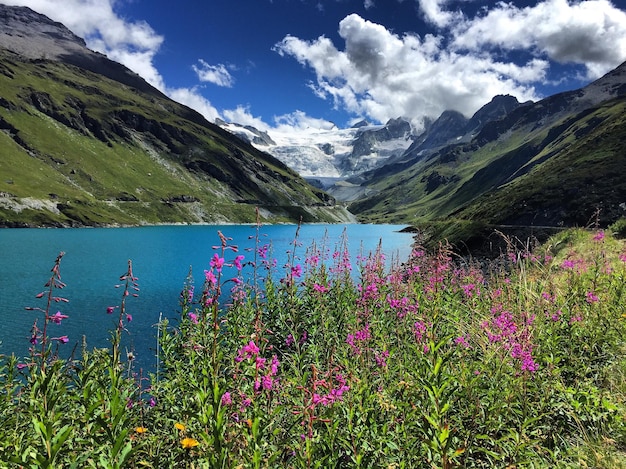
{"points": [[506, 174], [88, 142]]}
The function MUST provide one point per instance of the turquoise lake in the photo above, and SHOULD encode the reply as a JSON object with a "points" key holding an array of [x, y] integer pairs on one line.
{"points": [[161, 255]]}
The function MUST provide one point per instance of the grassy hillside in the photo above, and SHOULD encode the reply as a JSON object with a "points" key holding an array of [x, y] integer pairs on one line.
{"points": [[82, 149], [526, 174]]}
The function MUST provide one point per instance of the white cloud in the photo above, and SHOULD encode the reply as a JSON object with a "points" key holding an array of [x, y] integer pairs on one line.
{"points": [[243, 116], [590, 32], [434, 13], [191, 97], [299, 121], [382, 75], [216, 74]]}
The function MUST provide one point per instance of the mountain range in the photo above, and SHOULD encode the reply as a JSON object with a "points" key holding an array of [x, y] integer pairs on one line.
{"points": [[557, 162], [85, 141]]}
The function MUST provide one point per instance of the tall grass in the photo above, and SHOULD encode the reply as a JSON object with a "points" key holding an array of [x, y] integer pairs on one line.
{"points": [[439, 362]]}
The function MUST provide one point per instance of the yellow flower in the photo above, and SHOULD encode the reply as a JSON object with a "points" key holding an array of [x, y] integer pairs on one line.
{"points": [[179, 426], [189, 443], [141, 429]]}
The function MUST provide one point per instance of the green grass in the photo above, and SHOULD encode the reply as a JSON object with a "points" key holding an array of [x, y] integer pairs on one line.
{"points": [[93, 141], [437, 363], [559, 175]]}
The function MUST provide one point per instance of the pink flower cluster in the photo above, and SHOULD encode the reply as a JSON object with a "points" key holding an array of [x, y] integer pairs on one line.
{"points": [[358, 339], [333, 394]]}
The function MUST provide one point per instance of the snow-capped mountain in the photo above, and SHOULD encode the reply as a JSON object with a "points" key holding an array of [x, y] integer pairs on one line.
{"points": [[331, 154]]}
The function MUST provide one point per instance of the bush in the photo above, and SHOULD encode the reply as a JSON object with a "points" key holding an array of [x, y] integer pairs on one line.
{"points": [[619, 228]]}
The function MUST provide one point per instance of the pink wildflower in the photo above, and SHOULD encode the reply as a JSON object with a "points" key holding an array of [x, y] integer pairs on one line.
{"points": [[419, 329], [217, 262], [462, 341], [320, 288], [237, 262], [274, 366], [381, 358], [267, 382], [58, 317], [247, 351], [599, 236], [210, 277], [591, 298], [296, 271], [227, 399]]}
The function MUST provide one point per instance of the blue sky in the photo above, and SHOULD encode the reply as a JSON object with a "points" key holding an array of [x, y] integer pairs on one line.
{"points": [[306, 63]]}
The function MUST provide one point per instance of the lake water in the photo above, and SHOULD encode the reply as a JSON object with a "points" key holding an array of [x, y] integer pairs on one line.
{"points": [[161, 255]]}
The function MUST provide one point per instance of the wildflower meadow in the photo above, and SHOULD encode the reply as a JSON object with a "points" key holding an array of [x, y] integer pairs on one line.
{"points": [[441, 361]]}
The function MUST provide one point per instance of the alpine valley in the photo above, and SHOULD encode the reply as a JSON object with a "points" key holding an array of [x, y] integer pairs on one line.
{"points": [[520, 168], [85, 141]]}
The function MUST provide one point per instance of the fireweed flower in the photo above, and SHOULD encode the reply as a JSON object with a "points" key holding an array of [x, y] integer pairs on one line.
{"points": [[193, 317], [419, 329], [63, 339], [355, 340], [381, 358], [599, 236], [227, 399], [210, 277], [320, 288], [275, 365], [237, 262], [217, 262], [58, 317], [462, 341], [591, 297], [247, 351], [296, 271], [110, 309]]}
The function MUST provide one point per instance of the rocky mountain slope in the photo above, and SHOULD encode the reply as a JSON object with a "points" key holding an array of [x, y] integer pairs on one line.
{"points": [[85, 141], [327, 155], [558, 162]]}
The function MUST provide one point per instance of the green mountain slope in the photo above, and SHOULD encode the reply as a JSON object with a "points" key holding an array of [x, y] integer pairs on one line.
{"points": [[78, 147], [558, 162]]}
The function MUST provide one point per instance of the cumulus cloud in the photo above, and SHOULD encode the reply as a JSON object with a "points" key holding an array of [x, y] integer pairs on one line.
{"points": [[591, 32], [434, 12], [216, 74], [191, 97], [383, 75], [300, 121]]}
